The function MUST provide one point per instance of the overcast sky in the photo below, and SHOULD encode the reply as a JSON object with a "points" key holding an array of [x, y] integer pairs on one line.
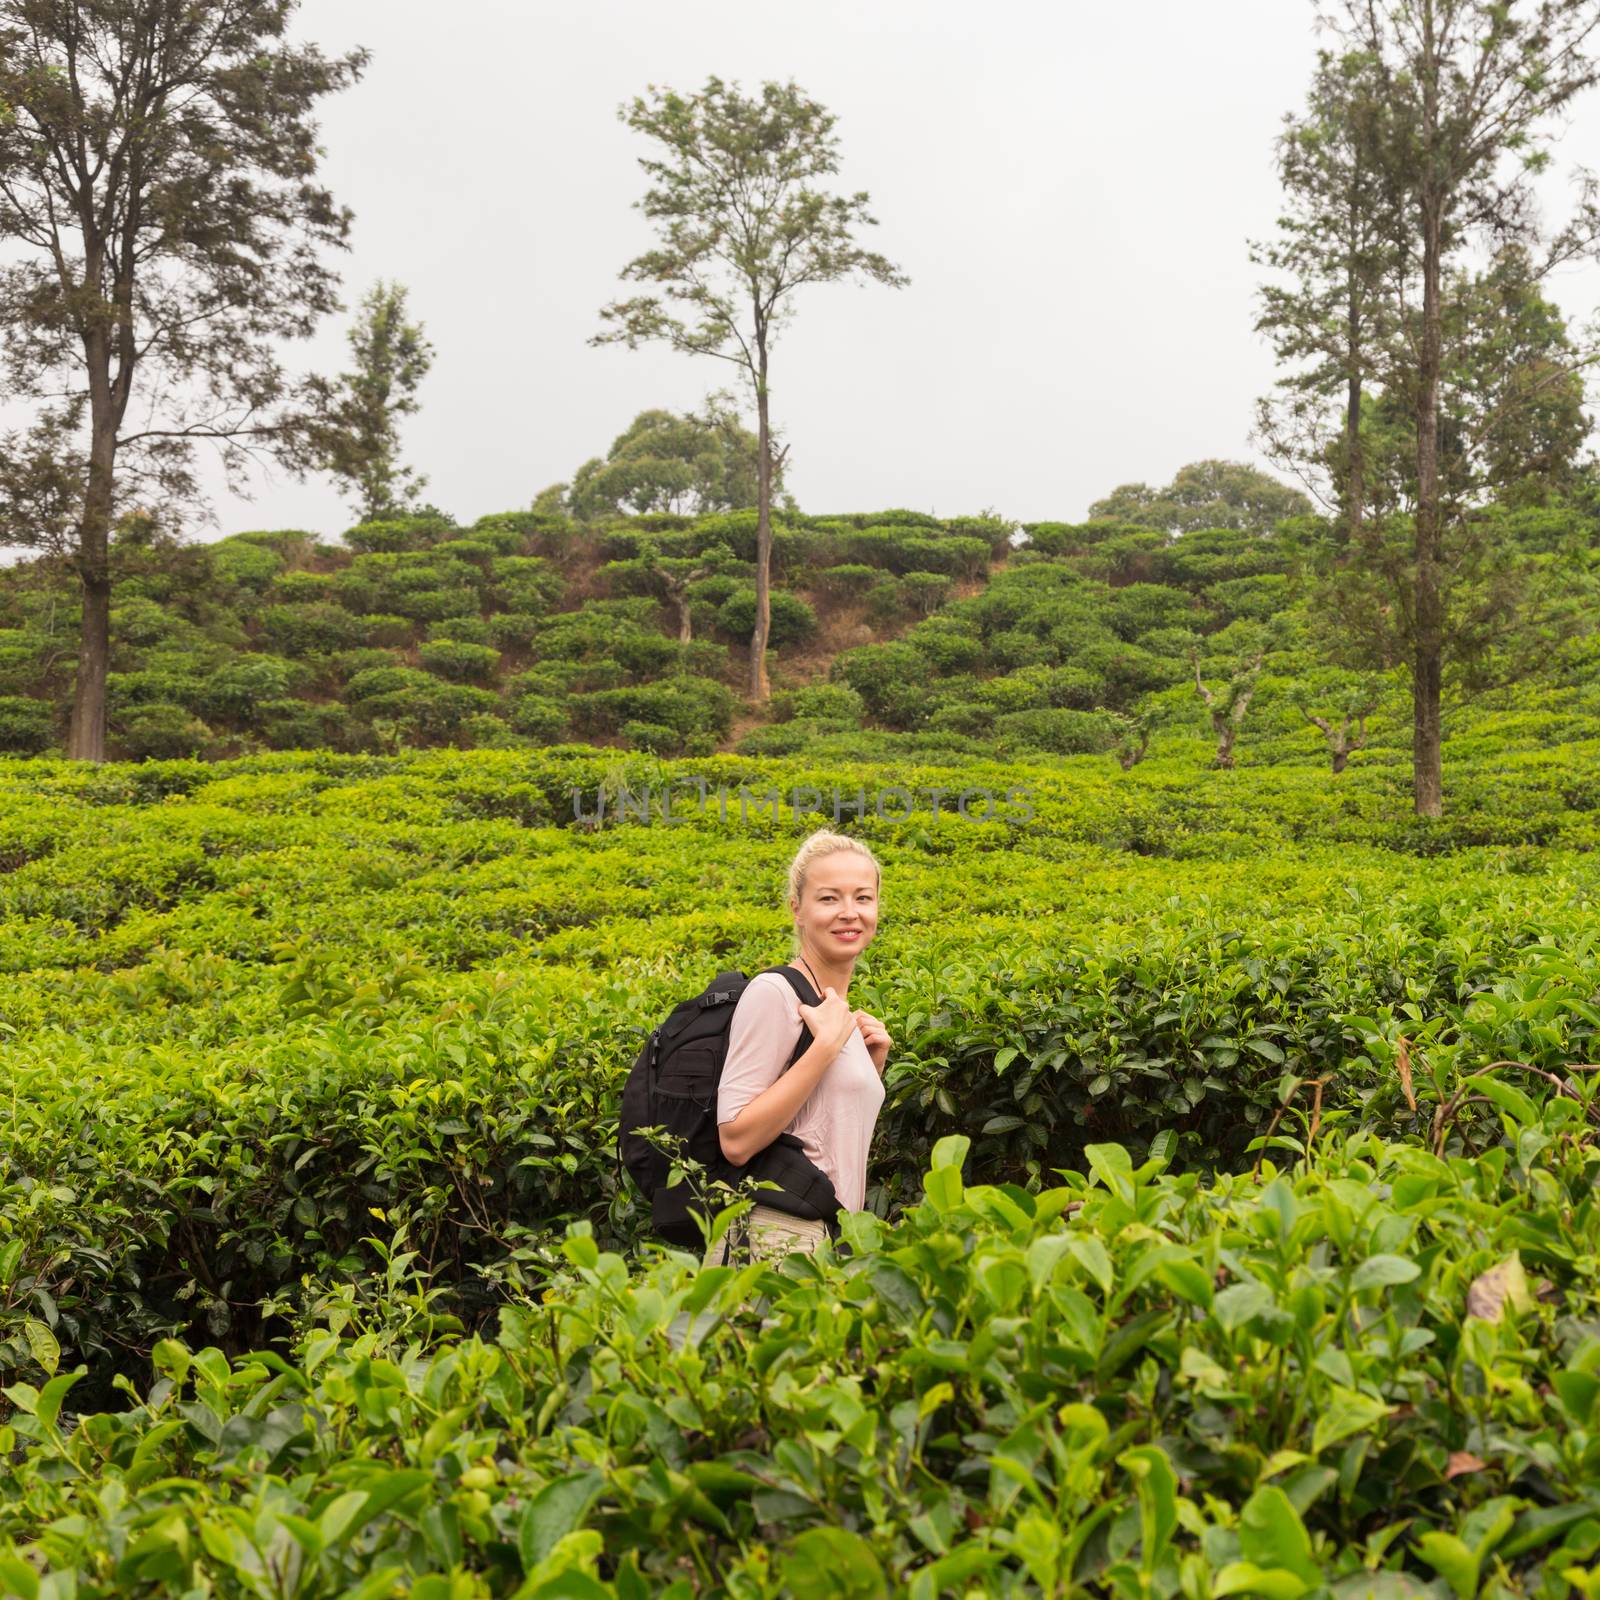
{"points": [[1070, 187]]}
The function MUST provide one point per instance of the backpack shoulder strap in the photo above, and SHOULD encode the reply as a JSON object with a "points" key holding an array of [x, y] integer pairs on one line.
{"points": [[801, 985], [807, 996]]}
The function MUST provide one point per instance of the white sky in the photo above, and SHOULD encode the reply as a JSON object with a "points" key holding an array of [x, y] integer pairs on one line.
{"points": [[1070, 187]]}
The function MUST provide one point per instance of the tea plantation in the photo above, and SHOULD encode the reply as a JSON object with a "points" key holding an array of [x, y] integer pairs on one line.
{"points": [[1212, 1245]]}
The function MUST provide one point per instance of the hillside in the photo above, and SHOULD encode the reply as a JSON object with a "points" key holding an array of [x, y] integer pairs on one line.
{"points": [[1230, 1216], [893, 633]]}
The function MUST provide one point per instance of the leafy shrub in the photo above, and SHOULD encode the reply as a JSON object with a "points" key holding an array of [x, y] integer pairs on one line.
{"points": [[1141, 608], [1061, 732], [460, 662], [395, 534], [160, 732], [528, 584], [948, 644], [475, 551], [387, 679], [713, 590], [1020, 647], [848, 581], [551, 680], [464, 630], [486, 730], [319, 629], [900, 518], [386, 632], [27, 726], [892, 680], [1174, 643], [925, 592], [797, 737], [140, 622], [507, 532], [301, 588], [156, 686], [540, 717], [973, 721], [234, 691], [646, 655], [834, 702], [347, 663], [790, 618], [654, 736], [290, 724], [1256, 598], [687, 705], [885, 603], [430, 709], [431, 604], [245, 564], [513, 630]]}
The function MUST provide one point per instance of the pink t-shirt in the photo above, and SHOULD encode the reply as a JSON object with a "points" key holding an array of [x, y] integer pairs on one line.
{"points": [[835, 1122]]}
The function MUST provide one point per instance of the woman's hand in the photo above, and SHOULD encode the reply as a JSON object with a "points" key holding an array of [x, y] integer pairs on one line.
{"points": [[877, 1037], [831, 1022]]}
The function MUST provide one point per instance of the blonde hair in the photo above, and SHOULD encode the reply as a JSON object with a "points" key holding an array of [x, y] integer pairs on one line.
{"points": [[824, 842]]}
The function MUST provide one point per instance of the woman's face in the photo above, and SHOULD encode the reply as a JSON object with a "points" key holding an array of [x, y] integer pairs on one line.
{"points": [[838, 910]]}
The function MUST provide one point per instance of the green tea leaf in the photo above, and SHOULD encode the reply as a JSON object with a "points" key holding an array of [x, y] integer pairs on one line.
{"points": [[833, 1564]]}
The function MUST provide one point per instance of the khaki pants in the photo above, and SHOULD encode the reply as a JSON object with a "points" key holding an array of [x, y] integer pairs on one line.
{"points": [[764, 1234]]}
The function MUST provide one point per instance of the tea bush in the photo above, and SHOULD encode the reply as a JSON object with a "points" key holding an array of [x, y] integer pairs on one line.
{"points": [[305, 986], [1126, 1385]]}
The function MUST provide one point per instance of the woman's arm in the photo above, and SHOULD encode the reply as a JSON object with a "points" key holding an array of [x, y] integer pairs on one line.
{"points": [[765, 1115]]}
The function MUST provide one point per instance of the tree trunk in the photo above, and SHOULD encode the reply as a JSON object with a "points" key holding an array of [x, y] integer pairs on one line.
{"points": [[86, 733], [1354, 484], [760, 689], [1341, 758], [1427, 774], [1226, 729]]}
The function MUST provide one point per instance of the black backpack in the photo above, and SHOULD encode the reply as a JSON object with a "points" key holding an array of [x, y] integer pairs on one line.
{"points": [[673, 1086]]}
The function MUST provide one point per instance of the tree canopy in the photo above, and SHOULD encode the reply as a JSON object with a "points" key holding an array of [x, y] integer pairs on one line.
{"points": [[1206, 494], [691, 463]]}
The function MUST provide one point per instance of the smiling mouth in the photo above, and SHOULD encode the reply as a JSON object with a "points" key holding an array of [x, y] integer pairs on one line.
{"points": [[847, 933]]}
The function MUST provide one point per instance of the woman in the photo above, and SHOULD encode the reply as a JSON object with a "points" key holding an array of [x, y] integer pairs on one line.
{"points": [[830, 1098]]}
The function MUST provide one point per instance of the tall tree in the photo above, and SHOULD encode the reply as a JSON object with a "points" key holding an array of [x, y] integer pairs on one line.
{"points": [[356, 434], [1463, 95], [163, 231], [695, 463], [741, 225], [1336, 245]]}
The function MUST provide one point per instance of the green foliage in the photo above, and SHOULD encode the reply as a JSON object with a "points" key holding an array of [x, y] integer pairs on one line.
{"points": [[27, 727], [666, 462], [459, 661], [249, 565], [157, 730], [1205, 494], [541, 717], [1115, 1380], [1063, 732], [791, 618], [1195, 1198], [317, 629], [830, 701]]}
